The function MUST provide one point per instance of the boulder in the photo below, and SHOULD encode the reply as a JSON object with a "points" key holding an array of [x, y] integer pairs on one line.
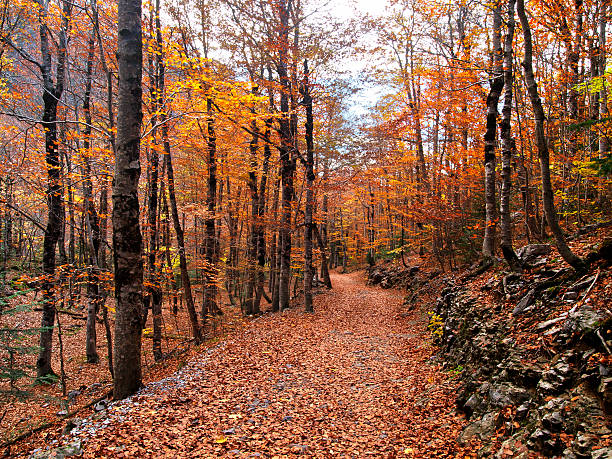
{"points": [[532, 253]]}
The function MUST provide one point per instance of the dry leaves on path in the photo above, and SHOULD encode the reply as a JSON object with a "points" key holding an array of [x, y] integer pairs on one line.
{"points": [[355, 379]]}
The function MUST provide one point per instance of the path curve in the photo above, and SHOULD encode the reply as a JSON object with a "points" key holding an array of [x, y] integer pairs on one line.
{"points": [[355, 379]]}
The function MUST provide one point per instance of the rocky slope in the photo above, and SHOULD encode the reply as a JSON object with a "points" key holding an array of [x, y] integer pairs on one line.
{"points": [[532, 351]]}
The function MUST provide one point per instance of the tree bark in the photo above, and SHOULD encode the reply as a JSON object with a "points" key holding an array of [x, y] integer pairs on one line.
{"points": [[92, 218], [127, 238], [287, 162], [310, 177], [508, 146], [51, 96], [496, 85], [542, 146], [210, 272], [604, 144]]}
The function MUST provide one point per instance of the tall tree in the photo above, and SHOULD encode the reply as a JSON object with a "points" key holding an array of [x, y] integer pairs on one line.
{"points": [[52, 93], [508, 144], [310, 177], [127, 238], [542, 145], [496, 82]]}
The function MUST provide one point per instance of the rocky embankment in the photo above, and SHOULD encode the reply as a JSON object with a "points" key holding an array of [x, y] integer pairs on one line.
{"points": [[533, 354]]}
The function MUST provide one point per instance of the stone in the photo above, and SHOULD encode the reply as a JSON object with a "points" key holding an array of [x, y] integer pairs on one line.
{"points": [[524, 303], [582, 284], [101, 405], [584, 443], [472, 405], [490, 285], [299, 449], [72, 424], [94, 387], [71, 449], [73, 394], [570, 296], [553, 421], [522, 411], [605, 390], [532, 252], [482, 428], [512, 284], [514, 447], [602, 453], [583, 321], [569, 454], [507, 394]]}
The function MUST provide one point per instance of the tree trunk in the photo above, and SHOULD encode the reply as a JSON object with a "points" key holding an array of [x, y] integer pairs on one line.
{"points": [[604, 144], [92, 218], [51, 96], [496, 85], [310, 177], [287, 162], [261, 229], [253, 232], [508, 147], [155, 289], [541, 142], [180, 242], [210, 272], [127, 238]]}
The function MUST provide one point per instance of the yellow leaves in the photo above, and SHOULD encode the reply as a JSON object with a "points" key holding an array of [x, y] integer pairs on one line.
{"points": [[220, 440]]}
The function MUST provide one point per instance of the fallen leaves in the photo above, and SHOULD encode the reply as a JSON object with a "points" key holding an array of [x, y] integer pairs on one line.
{"points": [[340, 382]]}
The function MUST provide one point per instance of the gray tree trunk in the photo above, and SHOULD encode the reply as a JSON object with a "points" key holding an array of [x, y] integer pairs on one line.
{"points": [[310, 177], [508, 145], [127, 238], [496, 86]]}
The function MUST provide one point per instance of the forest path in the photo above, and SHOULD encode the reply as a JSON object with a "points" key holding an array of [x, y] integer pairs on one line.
{"points": [[353, 379]]}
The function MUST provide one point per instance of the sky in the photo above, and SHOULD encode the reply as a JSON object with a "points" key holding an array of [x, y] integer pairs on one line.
{"points": [[361, 102]]}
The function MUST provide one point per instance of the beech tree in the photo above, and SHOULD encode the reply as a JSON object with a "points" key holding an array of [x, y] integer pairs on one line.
{"points": [[127, 238]]}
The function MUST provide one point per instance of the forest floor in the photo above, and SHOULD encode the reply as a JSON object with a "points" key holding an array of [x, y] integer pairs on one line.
{"points": [[357, 378]]}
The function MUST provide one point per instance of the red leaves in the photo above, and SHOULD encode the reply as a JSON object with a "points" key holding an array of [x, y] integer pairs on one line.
{"points": [[352, 379]]}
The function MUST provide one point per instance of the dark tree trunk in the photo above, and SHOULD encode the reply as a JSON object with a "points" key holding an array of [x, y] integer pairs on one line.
{"points": [[92, 218], [155, 289], [310, 177], [210, 273], [127, 238], [253, 230], [51, 96], [180, 242], [541, 143], [275, 253], [261, 228], [286, 159]]}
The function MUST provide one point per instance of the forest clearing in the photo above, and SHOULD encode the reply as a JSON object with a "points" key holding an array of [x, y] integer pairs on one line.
{"points": [[272, 228]]}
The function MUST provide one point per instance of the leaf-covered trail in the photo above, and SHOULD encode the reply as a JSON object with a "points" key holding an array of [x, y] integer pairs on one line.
{"points": [[354, 379]]}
